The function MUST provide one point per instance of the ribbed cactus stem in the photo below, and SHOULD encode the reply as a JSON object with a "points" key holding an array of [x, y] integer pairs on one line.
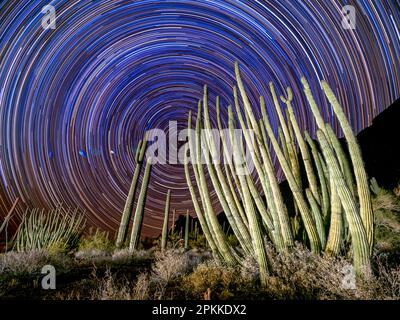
{"points": [[364, 194], [343, 161], [164, 235], [279, 212], [335, 235], [321, 176], [221, 186], [229, 169], [315, 209], [268, 179], [283, 143], [291, 147], [187, 231], [308, 165], [200, 215], [305, 211], [215, 227], [173, 221], [139, 212], [254, 227], [359, 238], [128, 209]]}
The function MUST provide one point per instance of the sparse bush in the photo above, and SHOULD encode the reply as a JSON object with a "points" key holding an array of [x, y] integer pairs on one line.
{"points": [[142, 287], [19, 263], [387, 221], [111, 288], [97, 240]]}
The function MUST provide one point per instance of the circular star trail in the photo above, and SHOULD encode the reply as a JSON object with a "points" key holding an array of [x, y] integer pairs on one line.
{"points": [[75, 100]]}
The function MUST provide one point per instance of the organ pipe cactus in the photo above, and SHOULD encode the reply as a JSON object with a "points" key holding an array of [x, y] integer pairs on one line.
{"points": [[302, 204], [324, 194], [187, 230], [324, 207], [221, 187], [358, 164], [164, 235], [139, 212], [335, 235], [359, 238], [312, 180], [282, 228], [127, 213], [200, 212]]}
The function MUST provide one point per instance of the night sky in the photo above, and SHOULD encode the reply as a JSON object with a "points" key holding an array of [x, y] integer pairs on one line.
{"points": [[75, 101]]}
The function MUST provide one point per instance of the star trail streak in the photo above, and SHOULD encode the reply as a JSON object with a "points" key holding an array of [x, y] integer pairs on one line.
{"points": [[75, 101]]}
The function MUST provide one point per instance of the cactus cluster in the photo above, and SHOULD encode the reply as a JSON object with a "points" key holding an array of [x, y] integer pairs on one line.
{"points": [[122, 235], [331, 201], [57, 229]]}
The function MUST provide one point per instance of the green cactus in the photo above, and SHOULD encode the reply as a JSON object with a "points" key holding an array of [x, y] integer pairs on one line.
{"points": [[164, 235], [335, 235], [139, 212], [358, 165], [187, 231], [312, 180], [278, 209], [324, 194], [221, 187], [215, 228], [304, 209], [360, 246], [127, 213]]}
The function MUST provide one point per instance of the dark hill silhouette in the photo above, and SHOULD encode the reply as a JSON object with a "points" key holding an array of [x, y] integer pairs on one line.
{"points": [[380, 145]]}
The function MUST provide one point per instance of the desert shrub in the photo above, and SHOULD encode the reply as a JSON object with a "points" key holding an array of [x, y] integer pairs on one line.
{"points": [[386, 206], [141, 290], [20, 263], [112, 288], [223, 282], [127, 256], [97, 240]]}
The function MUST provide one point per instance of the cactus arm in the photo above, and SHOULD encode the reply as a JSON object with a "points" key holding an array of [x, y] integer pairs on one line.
{"points": [[343, 161], [325, 204], [220, 185]]}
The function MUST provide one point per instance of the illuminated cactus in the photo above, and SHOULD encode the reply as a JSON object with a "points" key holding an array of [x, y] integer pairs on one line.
{"points": [[164, 235], [360, 246], [358, 165], [187, 231], [127, 213], [139, 212]]}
